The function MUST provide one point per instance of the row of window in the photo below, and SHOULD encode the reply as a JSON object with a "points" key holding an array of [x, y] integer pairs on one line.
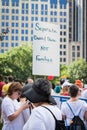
{"points": [[33, 6], [7, 44]]}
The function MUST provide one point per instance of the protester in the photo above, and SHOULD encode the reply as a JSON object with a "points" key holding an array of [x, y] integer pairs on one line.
{"points": [[6, 86], [76, 104], [2, 83], [11, 109], [40, 95], [65, 88]]}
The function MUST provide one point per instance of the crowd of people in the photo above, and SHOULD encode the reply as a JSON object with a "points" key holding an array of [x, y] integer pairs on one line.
{"points": [[23, 106]]}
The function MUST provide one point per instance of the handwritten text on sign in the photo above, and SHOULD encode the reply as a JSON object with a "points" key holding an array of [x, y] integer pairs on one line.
{"points": [[45, 49]]}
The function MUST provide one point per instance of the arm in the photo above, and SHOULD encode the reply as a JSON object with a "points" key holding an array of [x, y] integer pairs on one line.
{"points": [[16, 113], [85, 115]]}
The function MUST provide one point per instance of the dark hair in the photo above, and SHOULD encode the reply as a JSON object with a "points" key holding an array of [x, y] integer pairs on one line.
{"points": [[43, 86], [10, 78], [73, 90], [14, 87], [1, 77]]}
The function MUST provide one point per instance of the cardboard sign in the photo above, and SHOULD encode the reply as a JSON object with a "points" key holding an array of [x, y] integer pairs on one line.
{"points": [[46, 49]]}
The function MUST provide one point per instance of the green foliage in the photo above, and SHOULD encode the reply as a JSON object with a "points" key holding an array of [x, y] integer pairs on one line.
{"points": [[17, 62], [78, 70]]}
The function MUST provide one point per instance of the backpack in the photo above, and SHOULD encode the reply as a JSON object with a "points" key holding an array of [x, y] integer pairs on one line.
{"points": [[59, 124], [76, 122]]}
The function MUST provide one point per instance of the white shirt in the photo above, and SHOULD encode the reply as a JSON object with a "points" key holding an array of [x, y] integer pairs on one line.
{"points": [[9, 106], [76, 107], [42, 119], [84, 94]]}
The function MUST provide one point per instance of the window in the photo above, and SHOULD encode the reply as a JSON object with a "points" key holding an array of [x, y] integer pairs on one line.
{"points": [[64, 13], [64, 33], [26, 25], [6, 37], [22, 31], [22, 17], [3, 10], [64, 53], [16, 24], [42, 7], [22, 38], [60, 32], [23, 6], [2, 50], [36, 6], [6, 44], [2, 44], [26, 38], [16, 38], [27, 6], [17, 17], [32, 6], [64, 59], [64, 46], [16, 31], [46, 7], [55, 19], [22, 24], [60, 13], [16, 44], [12, 31], [12, 44], [64, 26], [73, 54], [64, 39], [12, 38], [60, 39], [3, 17], [3, 24], [13, 18], [60, 26], [7, 18], [61, 46], [13, 11], [64, 19], [78, 54], [7, 24], [55, 13], [17, 11], [73, 48], [60, 19], [60, 52], [46, 13], [26, 31], [78, 48]]}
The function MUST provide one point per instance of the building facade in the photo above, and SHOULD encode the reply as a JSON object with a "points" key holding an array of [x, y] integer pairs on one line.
{"points": [[19, 17]]}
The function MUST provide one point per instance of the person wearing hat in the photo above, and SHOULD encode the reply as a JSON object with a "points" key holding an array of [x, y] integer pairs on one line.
{"points": [[39, 94]]}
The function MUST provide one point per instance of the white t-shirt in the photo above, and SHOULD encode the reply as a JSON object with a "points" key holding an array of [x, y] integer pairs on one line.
{"points": [[84, 94], [76, 107], [9, 106], [42, 119]]}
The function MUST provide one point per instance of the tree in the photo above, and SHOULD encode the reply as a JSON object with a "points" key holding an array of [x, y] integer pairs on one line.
{"points": [[17, 62], [78, 70]]}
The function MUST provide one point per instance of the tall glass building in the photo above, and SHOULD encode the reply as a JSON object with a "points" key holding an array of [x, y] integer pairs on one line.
{"points": [[19, 17]]}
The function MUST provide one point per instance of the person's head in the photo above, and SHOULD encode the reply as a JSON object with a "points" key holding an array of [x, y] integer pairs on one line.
{"points": [[1, 77], [74, 91], [79, 83], [10, 78], [29, 80], [15, 90], [40, 91]]}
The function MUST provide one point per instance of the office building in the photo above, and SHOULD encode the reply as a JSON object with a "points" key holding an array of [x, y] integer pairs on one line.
{"points": [[19, 17]]}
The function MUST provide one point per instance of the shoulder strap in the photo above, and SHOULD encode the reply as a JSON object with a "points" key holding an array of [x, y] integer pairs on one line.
{"points": [[50, 112], [72, 110]]}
